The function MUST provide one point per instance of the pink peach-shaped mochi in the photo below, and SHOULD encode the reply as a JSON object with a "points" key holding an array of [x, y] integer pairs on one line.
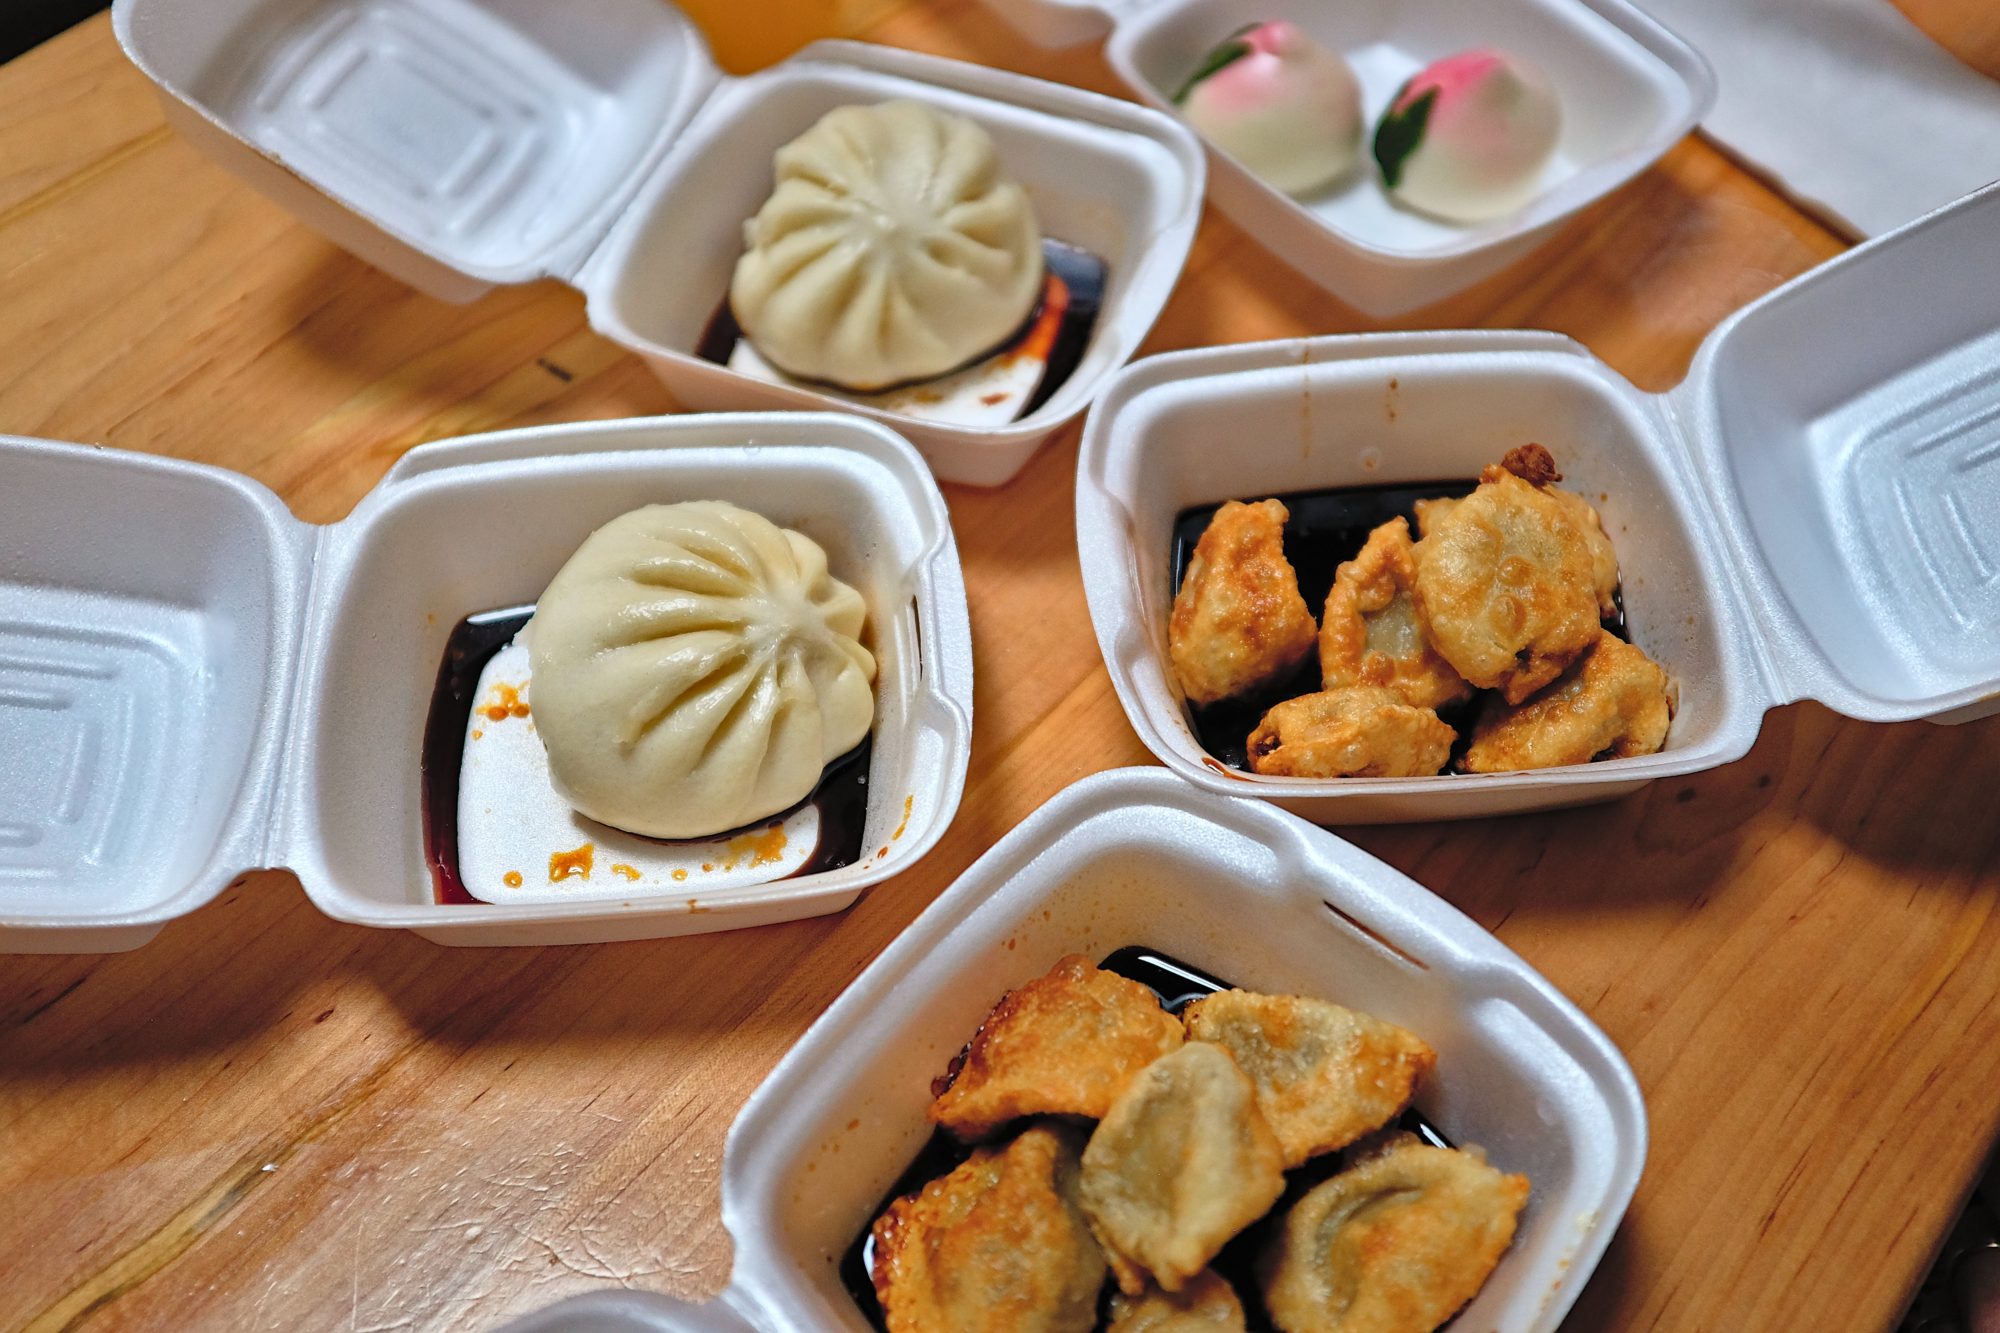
{"points": [[1466, 138], [1281, 104]]}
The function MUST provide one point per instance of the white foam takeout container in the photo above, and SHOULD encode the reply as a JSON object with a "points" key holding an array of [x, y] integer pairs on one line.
{"points": [[193, 683], [1813, 514], [1250, 894], [463, 143], [1630, 90]]}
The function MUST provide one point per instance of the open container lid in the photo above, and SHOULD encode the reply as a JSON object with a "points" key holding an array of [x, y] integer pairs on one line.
{"points": [[494, 139], [1846, 429], [194, 684], [1252, 895]]}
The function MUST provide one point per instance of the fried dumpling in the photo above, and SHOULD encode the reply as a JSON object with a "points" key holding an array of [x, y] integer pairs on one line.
{"points": [[1506, 582], [1603, 559], [1181, 1163], [1394, 1244], [996, 1245], [1325, 1075], [1370, 633], [1431, 512], [1617, 701], [1239, 622], [1207, 1304], [1362, 731], [1063, 1044]]}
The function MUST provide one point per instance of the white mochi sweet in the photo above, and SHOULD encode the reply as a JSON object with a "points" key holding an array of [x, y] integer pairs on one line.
{"points": [[1281, 104], [894, 249], [694, 667], [1468, 137]]}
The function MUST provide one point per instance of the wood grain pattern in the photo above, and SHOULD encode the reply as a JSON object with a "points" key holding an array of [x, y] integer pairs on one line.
{"points": [[268, 1119]]}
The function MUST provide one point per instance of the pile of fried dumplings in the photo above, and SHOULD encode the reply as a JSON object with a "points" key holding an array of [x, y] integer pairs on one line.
{"points": [[1500, 607], [1197, 1120]]}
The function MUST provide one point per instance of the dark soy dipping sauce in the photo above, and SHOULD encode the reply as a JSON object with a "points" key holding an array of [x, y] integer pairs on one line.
{"points": [[1177, 984], [1326, 528], [842, 793], [1082, 273]]}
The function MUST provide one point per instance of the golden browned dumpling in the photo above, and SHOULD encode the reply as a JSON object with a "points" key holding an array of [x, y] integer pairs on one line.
{"points": [[1506, 580], [998, 1245], [1370, 634], [1394, 1244], [1064, 1044], [1362, 731], [1239, 622], [1603, 560], [1181, 1163], [1325, 1075], [1207, 1304], [1431, 512], [1616, 701]]}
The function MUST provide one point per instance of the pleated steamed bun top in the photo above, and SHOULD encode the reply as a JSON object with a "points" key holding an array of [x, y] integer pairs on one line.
{"points": [[893, 249], [694, 668]]}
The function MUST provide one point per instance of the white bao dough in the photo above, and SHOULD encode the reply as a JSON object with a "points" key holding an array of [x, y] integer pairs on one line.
{"points": [[893, 249], [694, 667], [1288, 109]]}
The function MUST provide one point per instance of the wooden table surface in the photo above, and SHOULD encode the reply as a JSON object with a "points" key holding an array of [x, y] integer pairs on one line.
{"points": [[266, 1119]]}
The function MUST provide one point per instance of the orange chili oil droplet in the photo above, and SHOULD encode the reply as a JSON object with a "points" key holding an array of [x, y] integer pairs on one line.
{"points": [[512, 879], [629, 872], [506, 703], [577, 863]]}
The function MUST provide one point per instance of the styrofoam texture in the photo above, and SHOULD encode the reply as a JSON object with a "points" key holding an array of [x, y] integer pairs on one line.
{"points": [[454, 143], [462, 143], [299, 661], [1867, 394], [1630, 90], [1809, 515], [1113, 178], [149, 613], [1256, 897]]}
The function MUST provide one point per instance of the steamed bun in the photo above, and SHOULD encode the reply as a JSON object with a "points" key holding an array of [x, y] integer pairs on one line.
{"points": [[694, 668], [893, 249]]}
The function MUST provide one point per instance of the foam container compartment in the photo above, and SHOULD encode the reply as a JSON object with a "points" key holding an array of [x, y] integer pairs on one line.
{"points": [[1811, 514], [193, 683], [1630, 90], [1246, 892], [460, 144]]}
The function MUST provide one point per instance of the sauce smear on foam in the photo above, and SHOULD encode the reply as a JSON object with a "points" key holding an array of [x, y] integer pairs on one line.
{"points": [[842, 793]]}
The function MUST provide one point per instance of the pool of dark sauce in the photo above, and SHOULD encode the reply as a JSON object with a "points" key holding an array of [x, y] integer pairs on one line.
{"points": [[842, 793], [1325, 529], [1177, 984], [1075, 277]]}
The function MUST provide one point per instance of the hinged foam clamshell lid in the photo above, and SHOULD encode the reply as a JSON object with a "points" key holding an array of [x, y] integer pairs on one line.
{"points": [[1847, 429], [194, 684], [1811, 514], [463, 143], [1630, 90], [455, 143], [1247, 893]]}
